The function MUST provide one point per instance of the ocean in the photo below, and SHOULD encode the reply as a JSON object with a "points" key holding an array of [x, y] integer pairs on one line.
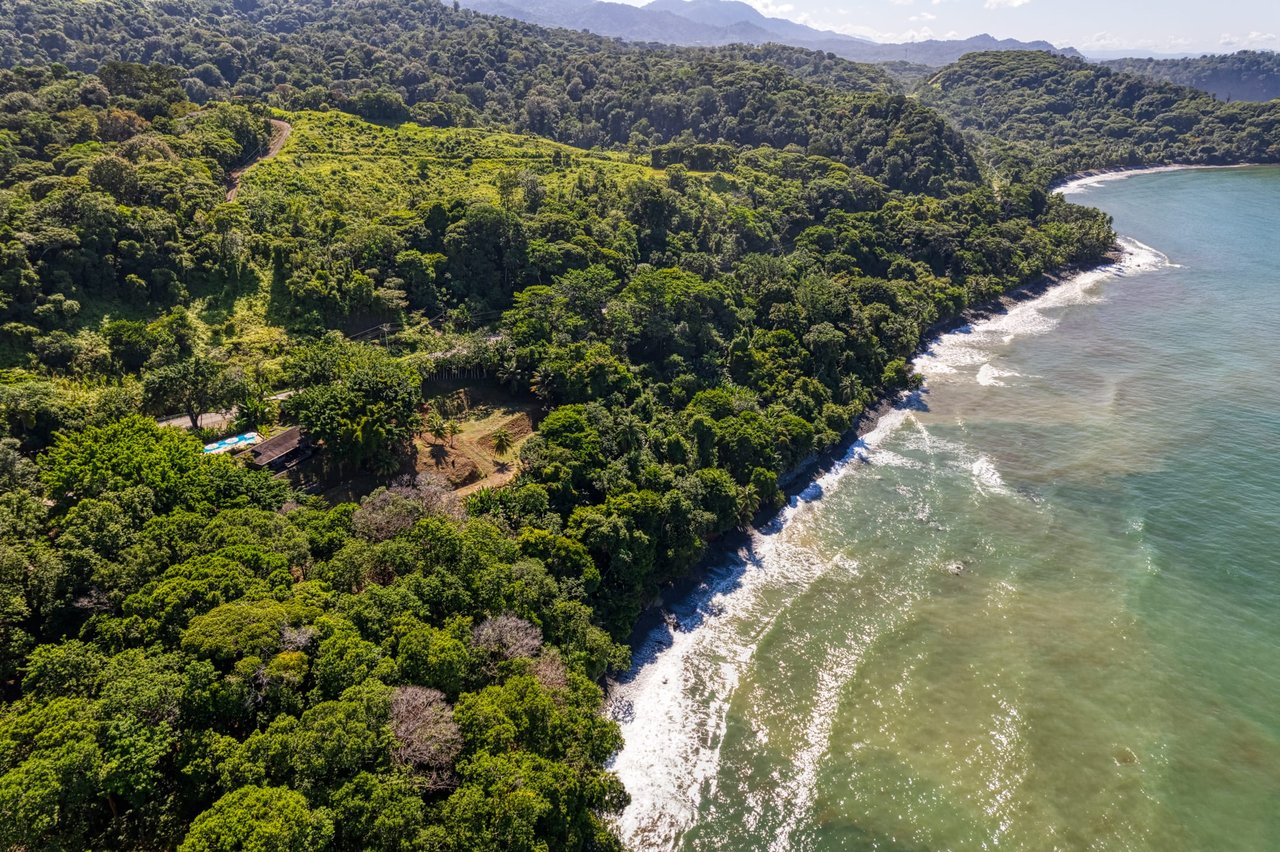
{"points": [[1037, 607]]}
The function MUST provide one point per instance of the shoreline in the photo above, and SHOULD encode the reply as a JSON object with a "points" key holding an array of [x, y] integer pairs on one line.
{"points": [[804, 475], [818, 464], [801, 693], [740, 561], [1079, 181]]}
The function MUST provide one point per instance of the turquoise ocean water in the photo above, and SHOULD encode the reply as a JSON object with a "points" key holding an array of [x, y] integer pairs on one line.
{"points": [[1101, 466]]}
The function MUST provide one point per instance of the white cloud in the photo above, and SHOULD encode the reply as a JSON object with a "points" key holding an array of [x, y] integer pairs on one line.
{"points": [[923, 16], [775, 10], [1101, 41], [1253, 39], [892, 37], [1109, 41], [1005, 4]]}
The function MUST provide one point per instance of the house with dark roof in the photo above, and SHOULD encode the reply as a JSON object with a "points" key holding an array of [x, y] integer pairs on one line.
{"points": [[280, 452]]}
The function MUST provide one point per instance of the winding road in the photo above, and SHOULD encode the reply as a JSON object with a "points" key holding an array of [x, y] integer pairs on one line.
{"points": [[280, 131]]}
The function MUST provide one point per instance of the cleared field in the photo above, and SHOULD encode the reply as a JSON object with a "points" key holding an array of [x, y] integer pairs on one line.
{"points": [[468, 459]]}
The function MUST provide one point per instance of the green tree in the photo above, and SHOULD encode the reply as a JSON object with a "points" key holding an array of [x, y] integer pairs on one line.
{"points": [[259, 819], [502, 442], [49, 762], [238, 628], [360, 401], [437, 427], [134, 451], [193, 386]]}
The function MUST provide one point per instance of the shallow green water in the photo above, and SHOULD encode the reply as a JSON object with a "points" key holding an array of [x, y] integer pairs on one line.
{"points": [[1105, 671]]}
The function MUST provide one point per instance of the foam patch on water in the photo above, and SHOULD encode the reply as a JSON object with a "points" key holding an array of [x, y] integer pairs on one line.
{"points": [[991, 376], [954, 355], [985, 474]]}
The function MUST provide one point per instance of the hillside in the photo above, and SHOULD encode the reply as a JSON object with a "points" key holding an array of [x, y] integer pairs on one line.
{"points": [[415, 59], [1059, 115], [1248, 75], [697, 268], [199, 657]]}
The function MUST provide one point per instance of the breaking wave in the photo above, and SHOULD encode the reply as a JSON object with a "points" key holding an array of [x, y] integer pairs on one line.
{"points": [[674, 705]]}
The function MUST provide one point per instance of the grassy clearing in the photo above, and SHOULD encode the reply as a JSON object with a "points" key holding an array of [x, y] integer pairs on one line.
{"points": [[347, 165], [468, 459]]}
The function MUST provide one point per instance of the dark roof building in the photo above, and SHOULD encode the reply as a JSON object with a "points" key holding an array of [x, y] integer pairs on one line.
{"points": [[280, 451]]}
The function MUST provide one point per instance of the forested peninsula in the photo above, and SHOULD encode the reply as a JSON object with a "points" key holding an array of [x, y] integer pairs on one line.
{"points": [[1247, 75], [628, 287]]}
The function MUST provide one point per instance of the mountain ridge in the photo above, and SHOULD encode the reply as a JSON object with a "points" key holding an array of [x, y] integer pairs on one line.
{"points": [[1246, 75], [715, 23]]}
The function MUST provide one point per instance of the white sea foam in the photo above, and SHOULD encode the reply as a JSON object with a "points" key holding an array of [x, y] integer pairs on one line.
{"points": [[673, 707], [991, 376], [1085, 183], [673, 710], [954, 355], [985, 474]]}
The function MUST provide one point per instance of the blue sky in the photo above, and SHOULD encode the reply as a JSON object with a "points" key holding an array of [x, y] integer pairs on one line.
{"points": [[1172, 26]]}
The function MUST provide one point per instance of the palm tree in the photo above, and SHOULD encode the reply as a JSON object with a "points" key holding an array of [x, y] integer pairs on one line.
{"points": [[452, 429], [435, 425], [502, 442], [509, 373]]}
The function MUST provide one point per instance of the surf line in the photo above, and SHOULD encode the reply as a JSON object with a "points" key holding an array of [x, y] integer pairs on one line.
{"points": [[673, 704]]}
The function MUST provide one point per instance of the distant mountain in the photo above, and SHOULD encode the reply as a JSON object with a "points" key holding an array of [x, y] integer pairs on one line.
{"points": [[1249, 75], [937, 52], [610, 19], [721, 22], [731, 14]]}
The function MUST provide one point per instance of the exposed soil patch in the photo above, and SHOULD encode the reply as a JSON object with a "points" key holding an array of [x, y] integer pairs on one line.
{"points": [[469, 460]]}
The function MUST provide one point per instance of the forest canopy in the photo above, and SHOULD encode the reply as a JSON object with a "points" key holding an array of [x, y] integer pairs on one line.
{"points": [[1056, 115], [700, 267], [1246, 75]]}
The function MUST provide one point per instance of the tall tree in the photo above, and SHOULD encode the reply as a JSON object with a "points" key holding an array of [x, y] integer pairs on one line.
{"points": [[193, 386], [360, 401]]}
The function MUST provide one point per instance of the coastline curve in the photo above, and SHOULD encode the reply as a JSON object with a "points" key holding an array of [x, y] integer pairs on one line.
{"points": [[674, 704]]}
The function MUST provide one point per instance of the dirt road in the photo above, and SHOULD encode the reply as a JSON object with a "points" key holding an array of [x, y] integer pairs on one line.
{"points": [[280, 131]]}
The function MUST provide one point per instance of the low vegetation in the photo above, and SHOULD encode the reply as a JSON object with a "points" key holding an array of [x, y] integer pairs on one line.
{"points": [[197, 656]]}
